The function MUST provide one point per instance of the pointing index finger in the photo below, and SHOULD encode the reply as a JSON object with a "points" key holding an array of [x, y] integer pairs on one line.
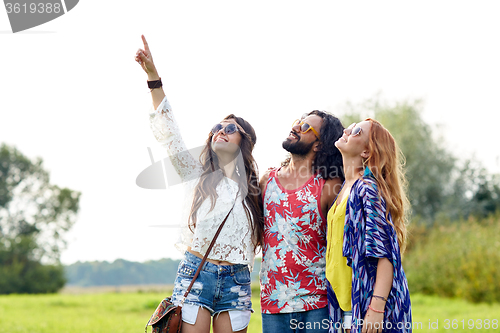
{"points": [[146, 46]]}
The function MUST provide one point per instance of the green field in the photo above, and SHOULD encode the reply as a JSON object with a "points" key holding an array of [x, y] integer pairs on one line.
{"points": [[127, 311]]}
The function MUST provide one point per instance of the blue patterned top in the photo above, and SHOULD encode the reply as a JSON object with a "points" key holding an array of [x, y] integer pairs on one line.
{"points": [[369, 236]]}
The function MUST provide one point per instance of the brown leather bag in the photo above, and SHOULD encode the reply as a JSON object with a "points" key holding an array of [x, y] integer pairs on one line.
{"points": [[166, 318]]}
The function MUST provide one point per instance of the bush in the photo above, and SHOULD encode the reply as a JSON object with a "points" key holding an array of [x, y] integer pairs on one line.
{"points": [[460, 259]]}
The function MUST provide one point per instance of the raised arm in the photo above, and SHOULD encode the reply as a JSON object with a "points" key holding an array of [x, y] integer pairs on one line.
{"points": [[145, 59], [163, 123]]}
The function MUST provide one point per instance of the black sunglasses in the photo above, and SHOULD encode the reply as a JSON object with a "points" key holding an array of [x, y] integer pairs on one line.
{"points": [[229, 129]]}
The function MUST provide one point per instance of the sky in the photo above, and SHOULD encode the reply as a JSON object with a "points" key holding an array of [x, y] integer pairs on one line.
{"points": [[72, 94]]}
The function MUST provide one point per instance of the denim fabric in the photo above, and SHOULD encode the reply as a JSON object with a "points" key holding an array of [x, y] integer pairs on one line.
{"points": [[217, 288], [312, 321]]}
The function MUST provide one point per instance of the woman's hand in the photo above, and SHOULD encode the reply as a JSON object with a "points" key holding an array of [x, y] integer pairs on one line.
{"points": [[373, 322], [144, 58]]}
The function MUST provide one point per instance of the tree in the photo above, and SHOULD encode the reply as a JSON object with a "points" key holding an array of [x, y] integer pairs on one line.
{"points": [[480, 191], [34, 215], [438, 182]]}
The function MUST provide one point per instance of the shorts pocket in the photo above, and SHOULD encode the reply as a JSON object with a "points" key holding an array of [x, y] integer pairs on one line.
{"points": [[186, 270], [242, 277]]}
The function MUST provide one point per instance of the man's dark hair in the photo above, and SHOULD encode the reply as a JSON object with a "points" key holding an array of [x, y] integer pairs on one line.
{"points": [[328, 160]]}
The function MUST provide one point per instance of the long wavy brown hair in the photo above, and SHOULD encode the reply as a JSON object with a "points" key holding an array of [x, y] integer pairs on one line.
{"points": [[248, 181], [386, 162]]}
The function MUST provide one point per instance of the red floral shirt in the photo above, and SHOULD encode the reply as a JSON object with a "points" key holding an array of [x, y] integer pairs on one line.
{"points": [[292, 275]]}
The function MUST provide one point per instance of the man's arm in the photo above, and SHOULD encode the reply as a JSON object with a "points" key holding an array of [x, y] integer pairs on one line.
{"points": [[330, 191], [263, 183]]}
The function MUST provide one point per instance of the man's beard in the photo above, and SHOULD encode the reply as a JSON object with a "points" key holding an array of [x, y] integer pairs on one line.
{"points": [[297, 148]]}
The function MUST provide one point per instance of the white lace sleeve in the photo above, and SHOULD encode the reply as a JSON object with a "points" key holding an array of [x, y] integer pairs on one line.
{"points": [[167, 133]]}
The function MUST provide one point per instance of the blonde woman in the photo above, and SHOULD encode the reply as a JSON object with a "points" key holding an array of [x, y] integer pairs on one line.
{"points": [[374, 233]]}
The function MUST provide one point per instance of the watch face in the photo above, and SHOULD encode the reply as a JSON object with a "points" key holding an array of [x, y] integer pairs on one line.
{"points": [[28, 14]]}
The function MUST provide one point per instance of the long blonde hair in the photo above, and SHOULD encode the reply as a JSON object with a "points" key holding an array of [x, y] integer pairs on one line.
{"points": [[386, 162]]}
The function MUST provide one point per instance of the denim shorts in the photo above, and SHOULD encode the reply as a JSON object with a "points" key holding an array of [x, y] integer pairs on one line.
{"points": [[217, 288]]}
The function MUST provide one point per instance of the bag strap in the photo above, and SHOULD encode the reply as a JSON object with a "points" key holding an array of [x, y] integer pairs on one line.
{"points": [[208, 251]]}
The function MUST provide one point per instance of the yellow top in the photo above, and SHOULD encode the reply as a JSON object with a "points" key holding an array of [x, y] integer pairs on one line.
{"points": [[337, 272]]}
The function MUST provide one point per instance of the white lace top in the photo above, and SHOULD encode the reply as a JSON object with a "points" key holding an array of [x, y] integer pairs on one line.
{"points": [[234, 243]]}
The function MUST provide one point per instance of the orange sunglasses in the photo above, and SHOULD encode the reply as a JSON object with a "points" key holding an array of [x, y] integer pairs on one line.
{"points": [[305, 127]]}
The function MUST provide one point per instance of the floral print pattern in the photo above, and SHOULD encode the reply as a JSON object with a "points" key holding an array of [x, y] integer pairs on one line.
{"points": [[292, 275]]}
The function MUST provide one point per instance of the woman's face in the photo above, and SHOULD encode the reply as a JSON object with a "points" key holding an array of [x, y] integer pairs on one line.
{"points": [[226, 143], [354, 141]]}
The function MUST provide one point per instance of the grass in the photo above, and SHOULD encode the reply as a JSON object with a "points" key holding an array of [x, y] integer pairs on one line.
{"points": [[124, 311], [429, 310]]}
